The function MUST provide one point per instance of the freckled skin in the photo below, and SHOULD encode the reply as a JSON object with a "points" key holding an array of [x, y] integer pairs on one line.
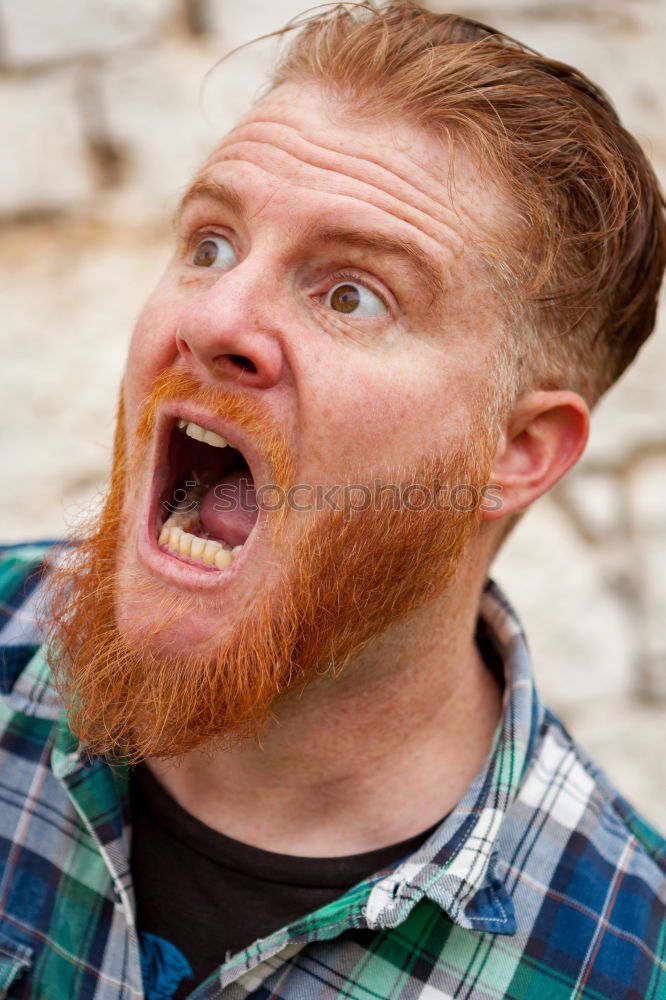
{"points": [[354, 395]]}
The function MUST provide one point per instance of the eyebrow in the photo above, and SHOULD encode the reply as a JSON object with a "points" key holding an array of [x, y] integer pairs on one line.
{"points": [[373, 242], [209, 190], [389, 246]]}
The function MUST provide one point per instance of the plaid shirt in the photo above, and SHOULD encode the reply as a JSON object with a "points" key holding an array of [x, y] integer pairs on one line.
{"points": [[542, 884]]}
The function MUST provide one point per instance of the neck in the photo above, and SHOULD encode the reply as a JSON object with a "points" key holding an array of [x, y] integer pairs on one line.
{"points": [[363, 759]]}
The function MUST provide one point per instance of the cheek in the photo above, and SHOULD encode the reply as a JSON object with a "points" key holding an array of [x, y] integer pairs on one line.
{"points": [[370, 413], [374, 417], [152, 346]]}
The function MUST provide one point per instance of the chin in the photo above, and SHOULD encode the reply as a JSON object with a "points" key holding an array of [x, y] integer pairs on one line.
{"points": [[159, 616]]}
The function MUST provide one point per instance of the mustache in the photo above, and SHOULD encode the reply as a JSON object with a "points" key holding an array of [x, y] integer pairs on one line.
{"points": [[249, 415]]}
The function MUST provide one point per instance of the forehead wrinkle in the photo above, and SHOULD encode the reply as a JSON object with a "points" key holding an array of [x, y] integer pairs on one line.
{"points": [[349, 165], [379, 198]]}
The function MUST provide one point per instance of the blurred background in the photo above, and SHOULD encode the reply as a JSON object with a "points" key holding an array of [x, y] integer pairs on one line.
{"points": [[105, 112]]}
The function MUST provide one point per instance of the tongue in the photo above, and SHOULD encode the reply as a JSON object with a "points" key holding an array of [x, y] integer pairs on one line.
{"points": [[228, 511]]}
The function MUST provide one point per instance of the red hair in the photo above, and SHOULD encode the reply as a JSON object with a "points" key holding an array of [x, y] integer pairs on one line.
{"points": [[582, 268]]}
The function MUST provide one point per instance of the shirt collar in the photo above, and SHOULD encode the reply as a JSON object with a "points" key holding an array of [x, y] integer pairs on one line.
{"points": [[456, 867]]}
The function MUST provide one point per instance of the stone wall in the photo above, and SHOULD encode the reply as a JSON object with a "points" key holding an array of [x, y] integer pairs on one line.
{"points": [[105, 110]]}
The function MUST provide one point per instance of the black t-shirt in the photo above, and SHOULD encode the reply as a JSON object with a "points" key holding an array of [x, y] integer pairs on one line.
{"points": [[202, 896]]}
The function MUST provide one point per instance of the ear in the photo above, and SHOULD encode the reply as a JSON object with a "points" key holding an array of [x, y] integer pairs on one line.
{"points": [[545, 435]]}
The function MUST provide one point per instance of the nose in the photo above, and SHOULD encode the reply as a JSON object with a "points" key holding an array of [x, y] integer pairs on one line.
{"points": [[226, 332]]}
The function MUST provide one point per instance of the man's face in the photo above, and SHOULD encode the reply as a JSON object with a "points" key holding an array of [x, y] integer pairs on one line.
{"points": [[323, 275], [325, 314]]}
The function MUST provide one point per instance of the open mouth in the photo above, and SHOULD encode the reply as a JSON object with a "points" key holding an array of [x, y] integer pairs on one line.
{"points": [[208, 508]]}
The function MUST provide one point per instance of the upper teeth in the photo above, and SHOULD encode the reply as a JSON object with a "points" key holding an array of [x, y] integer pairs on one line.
{"points": [[201, 434]]}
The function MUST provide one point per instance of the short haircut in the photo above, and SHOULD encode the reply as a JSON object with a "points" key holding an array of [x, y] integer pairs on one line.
{"points": [[581, 270]]}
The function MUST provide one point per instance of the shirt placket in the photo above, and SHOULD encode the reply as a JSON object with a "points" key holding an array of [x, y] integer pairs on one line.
{"points": [[99, 793]]}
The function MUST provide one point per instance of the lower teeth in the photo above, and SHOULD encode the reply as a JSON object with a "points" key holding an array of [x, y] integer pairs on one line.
{"points": [[183, 543]]}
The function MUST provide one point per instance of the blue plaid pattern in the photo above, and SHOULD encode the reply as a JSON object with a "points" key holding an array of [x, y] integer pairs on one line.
{"points": [[542, 884]]}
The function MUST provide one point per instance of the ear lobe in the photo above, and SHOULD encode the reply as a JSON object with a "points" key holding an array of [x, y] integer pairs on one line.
{"points": [[546, 435]]}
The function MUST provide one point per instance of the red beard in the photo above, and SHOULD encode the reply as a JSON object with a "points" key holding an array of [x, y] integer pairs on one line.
{"points": [[345, 579]]}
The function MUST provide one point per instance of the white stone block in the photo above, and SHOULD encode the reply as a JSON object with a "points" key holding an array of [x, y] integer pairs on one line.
{"points": [[632, 416], [45, 164], [70, 294], [36, 31], [647, 484], [152, 107], [648, 496], [597, 502], [579, 630], [235, 22]]}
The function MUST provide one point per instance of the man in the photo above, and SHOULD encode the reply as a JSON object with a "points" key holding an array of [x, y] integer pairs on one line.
{"points": [[282, 738]]}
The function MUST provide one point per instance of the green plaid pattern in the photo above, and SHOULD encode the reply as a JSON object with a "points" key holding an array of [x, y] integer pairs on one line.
{"points": [[543, 883]]}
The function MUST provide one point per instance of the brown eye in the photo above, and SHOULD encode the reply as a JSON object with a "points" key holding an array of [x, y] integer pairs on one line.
{"points": [[345, 298], [205, 254], [214, 251], [355, 298]]}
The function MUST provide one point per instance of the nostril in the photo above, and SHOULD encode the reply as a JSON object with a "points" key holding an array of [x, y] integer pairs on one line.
{"points": [[242, 362]]}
